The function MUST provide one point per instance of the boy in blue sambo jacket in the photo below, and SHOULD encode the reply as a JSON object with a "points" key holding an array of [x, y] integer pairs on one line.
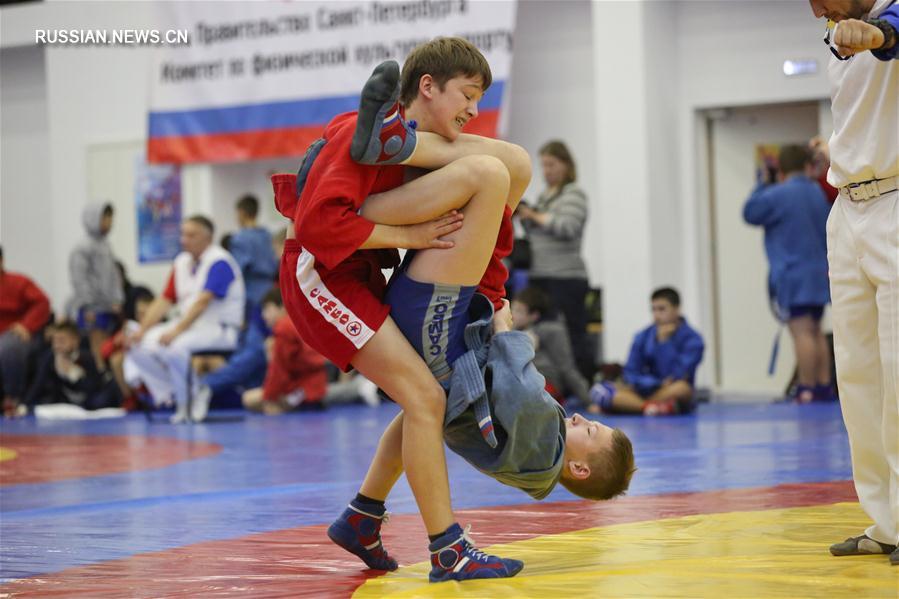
{"points": [[661, 367]]}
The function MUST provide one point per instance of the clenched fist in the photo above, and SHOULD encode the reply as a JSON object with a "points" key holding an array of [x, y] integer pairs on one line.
{"points": [[852, 36]]}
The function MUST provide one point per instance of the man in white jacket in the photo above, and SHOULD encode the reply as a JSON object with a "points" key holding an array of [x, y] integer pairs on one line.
{"points": [[863, 255], [207, 290]]}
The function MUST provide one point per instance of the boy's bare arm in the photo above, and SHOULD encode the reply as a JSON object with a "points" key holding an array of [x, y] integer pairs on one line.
{"points": [[419, 236]]}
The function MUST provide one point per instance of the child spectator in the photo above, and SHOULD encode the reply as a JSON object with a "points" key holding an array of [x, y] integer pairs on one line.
{"points": [[251, 246], [113, 350], [554, 358], [661, 367], [66, 374], [99, 294], [296, 376], [131, 292]]}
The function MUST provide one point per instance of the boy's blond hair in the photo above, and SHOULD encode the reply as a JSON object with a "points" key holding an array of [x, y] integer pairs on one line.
{"points": [[610, 471], [442, 58]]}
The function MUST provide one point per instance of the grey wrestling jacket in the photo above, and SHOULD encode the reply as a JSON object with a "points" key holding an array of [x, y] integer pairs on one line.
{"points": [[499, 418]]}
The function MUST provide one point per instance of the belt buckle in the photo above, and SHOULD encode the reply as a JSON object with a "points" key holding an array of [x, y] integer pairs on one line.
{"points": [[865, 190]]}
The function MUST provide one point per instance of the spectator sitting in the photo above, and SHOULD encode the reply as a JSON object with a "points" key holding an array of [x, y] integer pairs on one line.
{"points": [[251, 246], [661, 367], [24, 311], [296, 376], [66, 374], [207, 288], [113, 349], [794, 215], [96, 280], [131, 293], [552, 346], [244, 369]]}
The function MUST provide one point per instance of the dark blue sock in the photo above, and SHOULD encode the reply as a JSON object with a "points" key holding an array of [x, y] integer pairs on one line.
{"points": [[368, 504], [433, 538]]}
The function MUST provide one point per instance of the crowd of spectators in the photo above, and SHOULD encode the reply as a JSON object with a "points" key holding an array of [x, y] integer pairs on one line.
{"points": [[218, 331], [215, 333]]}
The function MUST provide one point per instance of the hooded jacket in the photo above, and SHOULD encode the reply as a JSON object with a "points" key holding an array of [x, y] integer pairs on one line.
{"points": [[92, 267], [499, 417]]}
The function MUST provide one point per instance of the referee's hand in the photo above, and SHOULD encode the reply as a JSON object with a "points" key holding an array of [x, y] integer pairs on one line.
{"points": [[852, 36]]}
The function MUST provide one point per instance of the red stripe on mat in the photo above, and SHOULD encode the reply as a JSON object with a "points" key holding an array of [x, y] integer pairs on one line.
{"points": [[49, 458], [303, 562]]}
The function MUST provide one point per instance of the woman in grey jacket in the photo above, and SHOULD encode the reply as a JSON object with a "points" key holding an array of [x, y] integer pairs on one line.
{"points": [[555, 228]]}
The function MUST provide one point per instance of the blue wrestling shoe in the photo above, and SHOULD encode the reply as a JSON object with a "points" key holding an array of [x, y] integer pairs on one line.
{"points": [[359, 531], [454, 557], [382, 135]]}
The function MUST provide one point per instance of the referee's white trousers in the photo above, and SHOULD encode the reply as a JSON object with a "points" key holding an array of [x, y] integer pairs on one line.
{"points": [[164, 369], [863, 252]]}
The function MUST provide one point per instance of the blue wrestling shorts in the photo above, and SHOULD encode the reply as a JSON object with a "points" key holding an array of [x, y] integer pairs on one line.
{"points": [[432, 316]]}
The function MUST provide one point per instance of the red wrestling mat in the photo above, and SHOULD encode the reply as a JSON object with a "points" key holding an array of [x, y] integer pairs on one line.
{"points": [[48, 458], [302, 562]]}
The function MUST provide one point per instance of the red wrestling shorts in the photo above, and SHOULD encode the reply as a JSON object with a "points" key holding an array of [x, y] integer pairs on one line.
{"points": [[338, 311]]}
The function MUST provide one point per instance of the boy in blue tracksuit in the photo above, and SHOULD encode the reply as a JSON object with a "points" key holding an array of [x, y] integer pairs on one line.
{"points": [[661, 367], [251, 246], [794, 215]]}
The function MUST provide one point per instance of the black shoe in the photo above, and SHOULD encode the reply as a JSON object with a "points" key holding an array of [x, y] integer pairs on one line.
{"points": [[863, 545], [894, 557]]}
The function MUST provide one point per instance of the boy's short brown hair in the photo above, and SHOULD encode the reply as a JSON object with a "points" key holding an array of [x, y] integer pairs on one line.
{"points": [[273, 296], [443, 58], [610, 471], [67, 327]]}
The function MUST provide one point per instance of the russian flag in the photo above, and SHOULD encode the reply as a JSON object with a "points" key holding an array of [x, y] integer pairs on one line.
{"points": [[270, 130]]}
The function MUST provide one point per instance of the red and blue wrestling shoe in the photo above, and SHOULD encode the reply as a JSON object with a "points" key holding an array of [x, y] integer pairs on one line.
{"points": [[454, 557], [359, 532], [382, 135]]}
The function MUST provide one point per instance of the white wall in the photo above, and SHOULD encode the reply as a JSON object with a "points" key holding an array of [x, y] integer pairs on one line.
{"points": [[746, 324], [623, 165], [93, 95], [25, 198], [730, 54], [551, 87]]}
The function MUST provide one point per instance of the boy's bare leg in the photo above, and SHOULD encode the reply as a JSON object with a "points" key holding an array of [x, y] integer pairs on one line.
{"points": [[433, 151], [389, 361], [627, 401], [805, 332], [463, 264], [387, 465], [116, 364], [435, 193], [672, 391], [473, 244]]}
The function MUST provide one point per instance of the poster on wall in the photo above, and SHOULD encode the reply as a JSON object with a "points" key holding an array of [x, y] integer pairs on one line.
{"points": [[261, 79], [158, 208]]}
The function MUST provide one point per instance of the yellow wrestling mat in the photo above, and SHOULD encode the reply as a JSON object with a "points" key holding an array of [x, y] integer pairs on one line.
{"points": [[7, 454], [772, 553]]}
